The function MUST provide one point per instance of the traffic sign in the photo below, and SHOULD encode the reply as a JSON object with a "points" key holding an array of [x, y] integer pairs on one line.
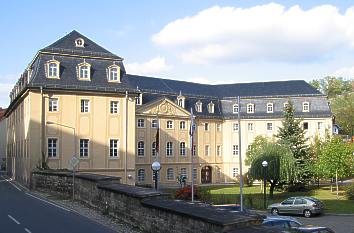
{"points": [[73, 162]]}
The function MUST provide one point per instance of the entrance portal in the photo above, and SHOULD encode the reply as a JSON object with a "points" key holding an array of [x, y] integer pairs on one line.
{"points": [[206, 175]]}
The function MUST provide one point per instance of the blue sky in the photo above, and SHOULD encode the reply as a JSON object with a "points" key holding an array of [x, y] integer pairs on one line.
{"points": [[201, 41]]}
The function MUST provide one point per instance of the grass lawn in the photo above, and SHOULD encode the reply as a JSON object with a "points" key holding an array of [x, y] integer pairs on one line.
{"points": [[253, 198]]}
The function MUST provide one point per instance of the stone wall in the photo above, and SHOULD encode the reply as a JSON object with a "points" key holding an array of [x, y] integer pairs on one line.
{"points": [[145, 208]]}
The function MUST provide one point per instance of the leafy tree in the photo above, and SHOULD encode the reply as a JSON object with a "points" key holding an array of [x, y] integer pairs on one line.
{"points": [[257, 144], [332, 86], [281, 164], [336, 159], [293, 135], [343, 109]]}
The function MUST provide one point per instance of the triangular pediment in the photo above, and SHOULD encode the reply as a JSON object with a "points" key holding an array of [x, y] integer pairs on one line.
{"points": [[163, 107]]}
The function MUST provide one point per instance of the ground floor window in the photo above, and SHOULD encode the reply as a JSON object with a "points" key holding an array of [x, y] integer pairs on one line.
{"points": [[141, 175], [52, 147]]}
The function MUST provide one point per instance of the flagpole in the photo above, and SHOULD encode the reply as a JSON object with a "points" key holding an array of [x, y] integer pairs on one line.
{"points": [[240, 157], [191, 145]]}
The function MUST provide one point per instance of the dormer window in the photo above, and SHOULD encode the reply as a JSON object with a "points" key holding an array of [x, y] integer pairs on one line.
{"points": [[84, 71], [211, 107], [180, 100], [139, 99], [114, 73], [250, 108], [53, 69], [235, 108], [79, 42], [270, 107], [305, 106], [198, 106]]}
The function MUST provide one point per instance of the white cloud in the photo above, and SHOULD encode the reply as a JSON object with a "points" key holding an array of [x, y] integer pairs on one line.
{"points": [[265, 32], [155, 66], [345, 72]]}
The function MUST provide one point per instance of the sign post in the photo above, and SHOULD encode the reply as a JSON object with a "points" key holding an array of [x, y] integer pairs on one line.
{"points": [[73, 162]]}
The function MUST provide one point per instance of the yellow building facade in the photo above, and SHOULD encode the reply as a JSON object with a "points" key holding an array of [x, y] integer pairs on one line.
{"points": [[76, 99]]}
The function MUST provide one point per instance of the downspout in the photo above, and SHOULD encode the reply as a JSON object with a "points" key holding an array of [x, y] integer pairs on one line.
{"points": [[126, 138], [42, 128]]}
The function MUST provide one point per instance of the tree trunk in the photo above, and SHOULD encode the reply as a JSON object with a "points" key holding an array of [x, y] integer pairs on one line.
{"points": [[271, 188], [337, 183], [331, 186]]}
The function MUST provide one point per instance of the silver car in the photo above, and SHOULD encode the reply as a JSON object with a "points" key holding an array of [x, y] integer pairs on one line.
{"points": [[306, 206]]}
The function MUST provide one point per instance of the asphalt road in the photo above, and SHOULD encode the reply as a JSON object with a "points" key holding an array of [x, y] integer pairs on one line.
{"points": [[340, 224], [22, 212]]}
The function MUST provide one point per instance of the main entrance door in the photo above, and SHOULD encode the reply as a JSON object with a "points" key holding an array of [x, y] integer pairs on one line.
{"points": [[206, 175]]}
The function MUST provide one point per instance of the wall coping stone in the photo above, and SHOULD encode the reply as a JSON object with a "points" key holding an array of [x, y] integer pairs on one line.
{"points": [[202, 211], [85, 176], [132, 191]]}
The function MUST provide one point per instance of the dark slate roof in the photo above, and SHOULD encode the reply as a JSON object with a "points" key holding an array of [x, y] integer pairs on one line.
{"points": [[68, 75], [278, 88], [66, 45]]}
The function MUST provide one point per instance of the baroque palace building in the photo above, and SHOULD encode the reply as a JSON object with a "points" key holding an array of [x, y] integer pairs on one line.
{"points": [[76, 99]]}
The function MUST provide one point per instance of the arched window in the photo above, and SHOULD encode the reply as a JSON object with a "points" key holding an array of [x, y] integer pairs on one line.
{"points": [[250, 108], [141, 175], [170, 174], [198, 106], [141, 148], [53, 69], [211, 107], [114, 73], [235, 108], [83, 71]]}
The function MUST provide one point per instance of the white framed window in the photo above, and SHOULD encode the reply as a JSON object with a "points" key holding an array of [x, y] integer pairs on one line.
{"points": [[218, 150], [141, 148], [53, 104], [180, 101], [305, 106], [234, 172], [182, 149], [207, 150], [235, 108], [234, 149], [195, 173], [139, 99], [270, 108], [52, 147], [286, 104], [53, 69], [218, 127], [198, 106], [84, 148], [85, 105], [211, 107], [250, 126], [153, 149], [114, 108], [84, 71], [154, 123], [269, 126], [141, 175], [235, 126], [169, 124], [79, 42], [250, 108], [141, 123], [184, 172], [305, 125], [113, 148], [114, 73], [194, 151], [182, 125], [319, 125], [169, 149], [170, 174], [206, 126]]}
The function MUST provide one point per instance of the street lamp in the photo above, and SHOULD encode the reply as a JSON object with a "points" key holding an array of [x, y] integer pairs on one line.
{"points": [[155, 166], [265, 166]]}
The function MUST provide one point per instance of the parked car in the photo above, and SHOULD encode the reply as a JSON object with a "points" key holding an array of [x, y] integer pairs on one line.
{"points": [[311, 229], [281, 222], [306, 206]]}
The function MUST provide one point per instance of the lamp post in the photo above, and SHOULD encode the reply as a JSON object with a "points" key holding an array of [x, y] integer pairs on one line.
{"points": [[74, 161], [265, 166], [155, 166]]}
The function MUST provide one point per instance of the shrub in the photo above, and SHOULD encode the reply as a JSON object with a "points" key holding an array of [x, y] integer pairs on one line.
{"points": [[350, 192], [298, 187]]}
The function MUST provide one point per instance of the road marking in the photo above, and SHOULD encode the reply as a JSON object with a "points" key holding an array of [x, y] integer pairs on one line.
{"points": [[9, 180], [13, 219], [63, 208], [28, 231]]}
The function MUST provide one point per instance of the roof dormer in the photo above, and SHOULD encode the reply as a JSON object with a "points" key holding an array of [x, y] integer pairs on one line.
{"points": [[79, 42], [52, 68], [113, 73], [84, 71], [211, 107], [181, 100], [199, 106]]}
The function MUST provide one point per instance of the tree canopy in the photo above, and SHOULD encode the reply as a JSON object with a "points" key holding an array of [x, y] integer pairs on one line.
{"points": [[332, 86]]}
